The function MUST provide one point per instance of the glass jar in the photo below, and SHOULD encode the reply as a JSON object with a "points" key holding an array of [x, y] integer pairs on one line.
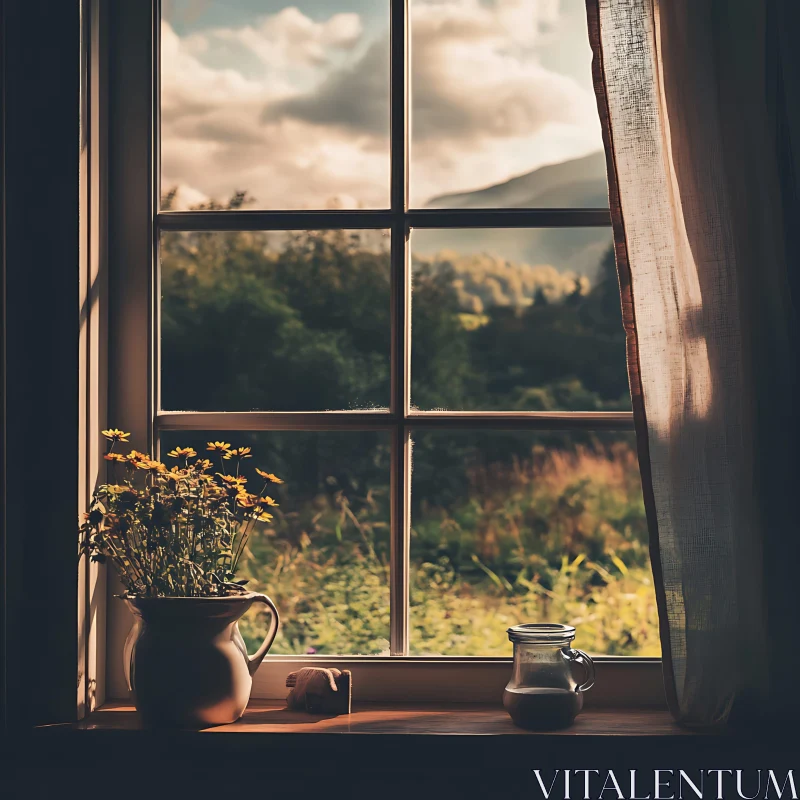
{"points": [[542, 693]]}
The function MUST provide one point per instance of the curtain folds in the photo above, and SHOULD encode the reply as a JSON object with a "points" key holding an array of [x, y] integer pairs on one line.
{"points": [[700, 106]]}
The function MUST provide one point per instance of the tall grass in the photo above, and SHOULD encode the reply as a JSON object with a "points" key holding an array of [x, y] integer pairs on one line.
{"points": [[556, 536]]}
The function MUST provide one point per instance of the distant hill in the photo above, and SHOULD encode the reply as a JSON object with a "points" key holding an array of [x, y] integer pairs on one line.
{"points": [[579, 183], [481, 282]]}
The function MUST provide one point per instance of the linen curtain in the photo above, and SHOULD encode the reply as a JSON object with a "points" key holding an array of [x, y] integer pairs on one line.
{"points": [[700, 105]]}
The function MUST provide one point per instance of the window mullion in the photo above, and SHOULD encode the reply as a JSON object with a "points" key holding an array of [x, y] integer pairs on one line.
{"points": [[155, 263], [381, 420], [253, 220], [400, 529], [400, 461], [264, 220], [399, 107]]}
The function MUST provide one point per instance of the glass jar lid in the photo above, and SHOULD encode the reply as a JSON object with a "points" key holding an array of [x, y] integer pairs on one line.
{"points": [[541, 633]]}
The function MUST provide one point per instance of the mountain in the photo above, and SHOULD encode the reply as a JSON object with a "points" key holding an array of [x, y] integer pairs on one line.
{"points": [[579, 183]]}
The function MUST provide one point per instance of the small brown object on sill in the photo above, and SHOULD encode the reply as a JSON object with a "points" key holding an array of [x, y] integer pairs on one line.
{"points": [[317, 690]]}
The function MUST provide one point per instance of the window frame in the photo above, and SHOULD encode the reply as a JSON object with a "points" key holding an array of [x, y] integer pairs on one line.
{"points": [[135, 222]]}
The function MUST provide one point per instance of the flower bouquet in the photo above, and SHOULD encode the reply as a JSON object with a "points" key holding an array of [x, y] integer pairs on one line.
{"points": [[176, 531], [175, 536]]}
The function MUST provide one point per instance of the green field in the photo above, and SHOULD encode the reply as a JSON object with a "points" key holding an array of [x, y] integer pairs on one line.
{"points": [[560, 538]]}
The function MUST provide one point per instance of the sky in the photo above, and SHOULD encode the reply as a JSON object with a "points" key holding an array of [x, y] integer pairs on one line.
{"points": [[290, 101]]}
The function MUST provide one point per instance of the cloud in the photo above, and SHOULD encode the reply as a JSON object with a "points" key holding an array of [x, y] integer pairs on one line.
{"points": [[189, 88], [214, 140], [354, 98], [474, 75], [296, 110], [290, 38]]}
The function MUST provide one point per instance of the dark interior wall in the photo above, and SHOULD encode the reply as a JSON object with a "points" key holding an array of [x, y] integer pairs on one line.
{"points": [[41, 70]]}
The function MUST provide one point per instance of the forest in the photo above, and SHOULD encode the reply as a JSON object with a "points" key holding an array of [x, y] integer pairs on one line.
{"points": [[506, 526]]}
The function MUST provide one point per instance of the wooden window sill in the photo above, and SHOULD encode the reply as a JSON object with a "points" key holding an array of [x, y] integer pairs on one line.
{"points": [[380, 750], [379, 740], [419, 719]]}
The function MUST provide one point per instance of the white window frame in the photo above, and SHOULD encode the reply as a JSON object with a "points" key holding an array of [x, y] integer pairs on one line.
{"points": [[92, 600], [134, 224]]}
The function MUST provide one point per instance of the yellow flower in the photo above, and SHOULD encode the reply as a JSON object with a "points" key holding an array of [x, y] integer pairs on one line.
{"points": [[231, 480], [246, 500], [182, 452], [268, 476], [135, 457], [115, 488], [202, 464], [239, 452], [218, 447], [262, 516], [116, 457], [151, 465], [268, 501], [115, 435]]}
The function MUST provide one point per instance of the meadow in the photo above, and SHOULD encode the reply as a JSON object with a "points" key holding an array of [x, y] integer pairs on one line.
{"points": [[560, 536]]}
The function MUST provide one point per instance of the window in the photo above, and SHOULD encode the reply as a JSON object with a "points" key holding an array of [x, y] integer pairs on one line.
{"points": [[381, 257]]}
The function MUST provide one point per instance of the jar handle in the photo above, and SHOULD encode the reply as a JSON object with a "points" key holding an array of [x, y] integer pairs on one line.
{"points": [[586, 662], [254, 661]]}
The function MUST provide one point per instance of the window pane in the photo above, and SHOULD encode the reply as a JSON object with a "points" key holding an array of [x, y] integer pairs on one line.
{"points": [[516, 320], [286, 102], [502, 90], [289, 321], [513, 527], [324, 558]]}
